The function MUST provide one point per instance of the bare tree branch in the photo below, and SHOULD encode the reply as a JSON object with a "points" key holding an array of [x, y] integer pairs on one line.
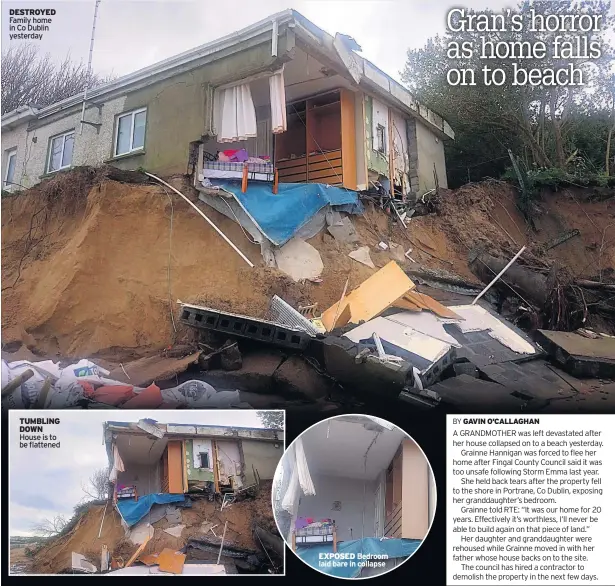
{"points": [[30, 78]]}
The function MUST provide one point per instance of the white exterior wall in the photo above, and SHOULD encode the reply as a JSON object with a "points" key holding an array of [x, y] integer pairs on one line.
{"points": [[90, 148]]}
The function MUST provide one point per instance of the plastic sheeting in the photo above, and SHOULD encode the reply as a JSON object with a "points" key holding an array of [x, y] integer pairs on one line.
{"points": [[279, 216], [133, 511], [368, 546]]}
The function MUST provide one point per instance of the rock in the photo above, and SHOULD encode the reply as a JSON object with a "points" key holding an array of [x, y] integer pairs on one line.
{"points": [[296, 376], [230, 358]]}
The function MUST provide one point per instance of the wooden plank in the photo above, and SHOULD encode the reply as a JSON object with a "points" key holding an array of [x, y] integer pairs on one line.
{"points": [[291, 163], [334, 172], [426, 302], [298, 174], [318, 158], [335, 163], [176, 483], [349, 152], [300, 178], [137, 553], [293, 170], [327, 180], [184, 467]]}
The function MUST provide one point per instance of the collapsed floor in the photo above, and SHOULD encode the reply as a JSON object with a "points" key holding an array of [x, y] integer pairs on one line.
{"points": [[87, 538], [93, 275]]}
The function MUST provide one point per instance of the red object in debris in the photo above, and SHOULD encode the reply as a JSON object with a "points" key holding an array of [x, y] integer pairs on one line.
{"points": [[114, 394], [149, 398], [88, 389]]}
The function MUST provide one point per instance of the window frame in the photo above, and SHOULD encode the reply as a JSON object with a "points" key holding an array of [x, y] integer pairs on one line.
{"points": [[132, 114], [63, 136], [10, 153], [381, 127], [206, 453]]}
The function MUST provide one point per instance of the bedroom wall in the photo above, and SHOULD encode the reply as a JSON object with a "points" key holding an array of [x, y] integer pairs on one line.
{"points": [[350, 492]]}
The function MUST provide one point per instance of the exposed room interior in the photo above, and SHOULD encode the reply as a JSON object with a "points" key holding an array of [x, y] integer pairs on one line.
{"points": [[369, 480], [319, 142]]}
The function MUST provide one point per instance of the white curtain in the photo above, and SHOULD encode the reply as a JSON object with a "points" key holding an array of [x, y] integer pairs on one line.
{"points": [[277, 96], [237, 117], [305, 480], [118, 464]]}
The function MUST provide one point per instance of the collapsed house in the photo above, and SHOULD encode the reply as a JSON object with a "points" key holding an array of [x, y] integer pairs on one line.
{"points": [[152, 462], [159, 470], [354, 484]]}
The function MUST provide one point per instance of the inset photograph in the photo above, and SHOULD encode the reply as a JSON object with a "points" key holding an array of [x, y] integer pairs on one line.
{"points": [[117, 492], [354, 496]]}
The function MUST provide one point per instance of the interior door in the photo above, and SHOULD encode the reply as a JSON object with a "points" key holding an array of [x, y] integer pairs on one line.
{"points": [[175, 467], [393, 506]]}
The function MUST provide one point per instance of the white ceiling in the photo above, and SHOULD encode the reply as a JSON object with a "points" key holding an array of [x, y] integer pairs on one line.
{"points": [[140, 449], [302, 78], [342, 452]]}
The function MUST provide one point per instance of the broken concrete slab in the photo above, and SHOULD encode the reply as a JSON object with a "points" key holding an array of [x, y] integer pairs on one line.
{"points": [[141, 532], [299, 260], [79, 563], [344, 231], [578, 355], [243, 326], [173, 514], [175, 531], [368, 377], [533, 378], [147, 370], [362, 255], [476, 318], [468, 393], [397, 252]]}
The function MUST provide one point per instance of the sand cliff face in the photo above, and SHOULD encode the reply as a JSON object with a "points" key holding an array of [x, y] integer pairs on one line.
{"points": [[100, 266]]}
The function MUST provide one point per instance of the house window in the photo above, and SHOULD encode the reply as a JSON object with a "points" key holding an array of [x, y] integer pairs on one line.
{"points": [[381, 138], [11, 159], [204, 459], [130, 132], [61, 151]]}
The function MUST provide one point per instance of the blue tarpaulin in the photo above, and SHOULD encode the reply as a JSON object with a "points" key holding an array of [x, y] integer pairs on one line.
{"points": [[368, 546], [133, 511], [280, 215]]}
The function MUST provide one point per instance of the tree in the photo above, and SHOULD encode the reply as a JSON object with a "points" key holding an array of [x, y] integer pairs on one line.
{"points": [[50, 527], [537, 121], [272, 419], [97, 487], [32, 79]]}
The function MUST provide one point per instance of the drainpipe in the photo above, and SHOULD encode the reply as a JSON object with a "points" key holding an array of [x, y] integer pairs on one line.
{"points": [[85, 91], [274, 39]]}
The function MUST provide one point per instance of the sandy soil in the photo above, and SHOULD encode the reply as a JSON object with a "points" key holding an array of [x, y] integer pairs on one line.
{"points": [[83, 539], [93, 278]]}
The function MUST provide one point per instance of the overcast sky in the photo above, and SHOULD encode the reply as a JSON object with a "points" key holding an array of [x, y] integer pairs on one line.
{"points": [[133, 34], [47, 482]]}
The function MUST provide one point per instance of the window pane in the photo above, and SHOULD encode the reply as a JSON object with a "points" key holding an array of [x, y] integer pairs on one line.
{"points": [[138, 136], [56, 153], [10, 169], [123, 135], [67, 157]]}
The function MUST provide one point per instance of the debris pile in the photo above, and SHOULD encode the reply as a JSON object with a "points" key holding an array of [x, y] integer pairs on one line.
{"points": [[357, 302], [200, 539]]}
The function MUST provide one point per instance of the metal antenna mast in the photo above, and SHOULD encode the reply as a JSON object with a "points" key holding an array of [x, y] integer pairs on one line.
{"points": [[85, 91]]}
